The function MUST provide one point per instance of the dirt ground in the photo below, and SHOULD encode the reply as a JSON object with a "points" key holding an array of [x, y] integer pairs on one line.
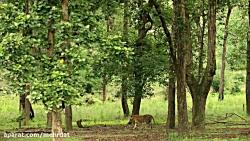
{"points": [[145, 133], [121, 133]]}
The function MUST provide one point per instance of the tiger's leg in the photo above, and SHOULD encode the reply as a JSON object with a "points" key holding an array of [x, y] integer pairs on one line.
{"points": [[134, 126]]}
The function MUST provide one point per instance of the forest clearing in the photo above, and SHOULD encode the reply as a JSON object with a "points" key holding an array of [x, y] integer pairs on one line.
{"points": [[125, 70], [225, 121]]}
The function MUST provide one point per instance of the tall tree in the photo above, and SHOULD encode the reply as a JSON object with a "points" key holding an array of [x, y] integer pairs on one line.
{"points": [[26, 103], [124, 85], [139, 78], [172, 60], [65, 18], [223, 58], [56, 112], [200, 86], [180, 43], [248, 65]]}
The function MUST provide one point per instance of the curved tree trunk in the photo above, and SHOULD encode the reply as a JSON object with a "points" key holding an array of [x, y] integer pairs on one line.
{"points": [[223, 58]]}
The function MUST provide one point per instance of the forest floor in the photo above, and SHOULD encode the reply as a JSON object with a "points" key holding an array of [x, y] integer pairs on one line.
{"points": [[226, 121], [142, 133]]}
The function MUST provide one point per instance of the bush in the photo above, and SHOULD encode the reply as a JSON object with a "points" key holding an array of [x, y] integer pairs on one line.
{"points": [[216, 84]]}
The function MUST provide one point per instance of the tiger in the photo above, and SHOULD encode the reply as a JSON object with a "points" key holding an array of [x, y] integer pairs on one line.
{"points": [[135, 119]]}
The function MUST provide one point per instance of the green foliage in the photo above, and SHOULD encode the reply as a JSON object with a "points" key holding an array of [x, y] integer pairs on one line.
{"points": [[53, 79], [216, 84]]}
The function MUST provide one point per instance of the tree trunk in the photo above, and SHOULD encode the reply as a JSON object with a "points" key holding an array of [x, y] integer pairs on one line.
{"points": [[49, 119], [171, 85], [223, 58], [248, 66], [137, 103], [139, 79], [180, 40], [138, 86], [26, 105], [68, 118], [198, 110], [171, 101], [65, 18], [56, 125], [200, 87], [124, 90], [124, 85], [26, 111]]}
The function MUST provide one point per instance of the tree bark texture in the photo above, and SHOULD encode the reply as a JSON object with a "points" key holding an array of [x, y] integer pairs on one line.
{"points": [[56, 124], [199, 87], [180, 41], [171, 101]]}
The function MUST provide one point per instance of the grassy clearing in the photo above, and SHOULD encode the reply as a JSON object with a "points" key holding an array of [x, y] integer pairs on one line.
{"points": [[110, 113]]}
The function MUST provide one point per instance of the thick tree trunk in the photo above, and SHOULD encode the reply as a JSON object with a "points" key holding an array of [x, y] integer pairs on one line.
{"points": [[248, 66], [198, 110], [137, 103], [56, 125], [171, 102], [181, 98], [180, 40], [200, 87], [68, 118], [49, 119], [124, 90], [223, 58]]}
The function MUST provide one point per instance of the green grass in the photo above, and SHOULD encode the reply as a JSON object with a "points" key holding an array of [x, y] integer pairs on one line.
{"points": [[110, 113]]}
